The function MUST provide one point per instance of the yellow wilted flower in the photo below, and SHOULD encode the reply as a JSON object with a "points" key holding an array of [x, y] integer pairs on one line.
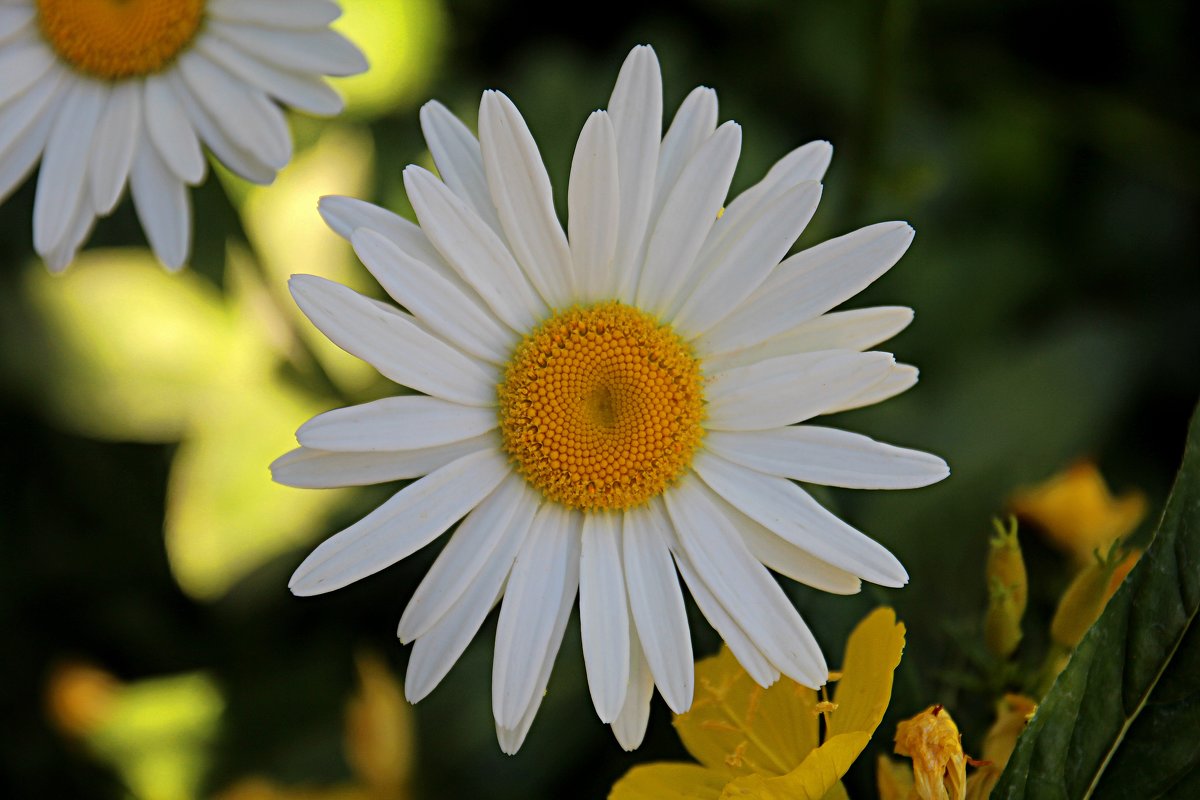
{"points": [[1078, 512], [1012, 715], [1008, 591], [932, 741], [766, 744]]}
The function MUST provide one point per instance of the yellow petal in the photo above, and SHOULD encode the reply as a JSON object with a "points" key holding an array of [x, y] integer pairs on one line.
{"points": [[932, 741], [816, 775], [669, 782], [738, 727], [379, 729], [865, 688], [893, 779]]}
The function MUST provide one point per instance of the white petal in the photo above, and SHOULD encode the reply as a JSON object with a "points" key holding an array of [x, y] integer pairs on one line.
{"points": [[162, 204], [745, 651], [411, 519], [347, 214], [593, 207], [743, 585], [276, 13], [630, 725], [492, 533], [806, 163], [787, 559], [301, 90], [82, 222], [14, 19], [512, 738], [459, 160], [858, 329], [251, 122], [829, 457], [473, 250], [306, 468], [24, 126], [604, 613], [64, 163], [636, 111], [694, 123], [687, 215], [521, 191], [446, 310], [782, 391], [408, 422], [171, 132], [750, 257], [899, 379], [541, 587], [787, 510], [812, 282], [323, 52], [450, 631], [206, 127], [113, 144], [21, 63], [656, 604], [392, 342]]}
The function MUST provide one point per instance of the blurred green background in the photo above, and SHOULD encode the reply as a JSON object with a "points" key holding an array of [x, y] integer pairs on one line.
{"points": [[1047, 154]]}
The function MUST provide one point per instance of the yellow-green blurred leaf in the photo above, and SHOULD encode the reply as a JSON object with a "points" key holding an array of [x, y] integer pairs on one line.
{"points": [[865, 688], [379, 730], [157, 735], [820, 772], [402, 40], [135, 347], [669, 782], [737, 726]]}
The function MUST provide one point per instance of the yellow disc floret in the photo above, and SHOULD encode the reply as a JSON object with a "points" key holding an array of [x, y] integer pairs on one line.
{"points": [[601, 407], [113, 39]]}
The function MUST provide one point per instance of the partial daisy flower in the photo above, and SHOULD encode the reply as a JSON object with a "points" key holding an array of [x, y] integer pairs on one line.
{"points": [[114, 92], [606, 405]]}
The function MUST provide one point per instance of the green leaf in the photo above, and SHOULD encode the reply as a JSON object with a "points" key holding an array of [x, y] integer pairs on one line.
{"points": [[1122, 718]]}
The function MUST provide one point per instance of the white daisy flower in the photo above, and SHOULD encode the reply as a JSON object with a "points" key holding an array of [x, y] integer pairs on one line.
{"points": [[605, 406], [109, 92]]}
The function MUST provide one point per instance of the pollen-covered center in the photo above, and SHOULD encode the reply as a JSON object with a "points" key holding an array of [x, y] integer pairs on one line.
{"points": [[601, 407], [119, 38]]}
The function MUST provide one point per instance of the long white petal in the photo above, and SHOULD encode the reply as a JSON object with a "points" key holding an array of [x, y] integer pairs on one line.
{"points": [[604, 613], [207, 129], [441, 305], [306, 468], [22, 62], [113, 145], [407, 422], [298, 14], [812, 282], [80, 227], [162, 204], [636, 111], [63, 175], [520, 189], [787, 559], [300, 90], [251, 121], [593, 207], [630, 725], [745, 588], [459, 160], [392, 342], [788, 511], [828, 456], [14, 19], [411, 519], [857, 329], [789, 389], [171, 131], [542, 585], [694, 123], [687, 215], [24, 127], [474, 250], [744, 650], [656, 603], [492, 532], [899, 379], [323, 52]]}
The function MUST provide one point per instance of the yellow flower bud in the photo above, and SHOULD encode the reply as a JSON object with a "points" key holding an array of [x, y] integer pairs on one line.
{"points": [[1087, 595], [1012, 715], [932, 741], [1008, 591]]}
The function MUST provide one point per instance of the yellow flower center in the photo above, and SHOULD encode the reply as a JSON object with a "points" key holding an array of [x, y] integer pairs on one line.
{"points": [[600, 407], [119, 38]]}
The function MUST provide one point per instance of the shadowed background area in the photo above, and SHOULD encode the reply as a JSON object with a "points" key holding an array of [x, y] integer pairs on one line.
{"points": [[151, 646]]}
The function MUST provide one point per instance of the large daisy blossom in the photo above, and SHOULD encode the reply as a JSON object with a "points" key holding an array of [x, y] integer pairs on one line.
{"points": [[606, 405], [110, 92]]}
